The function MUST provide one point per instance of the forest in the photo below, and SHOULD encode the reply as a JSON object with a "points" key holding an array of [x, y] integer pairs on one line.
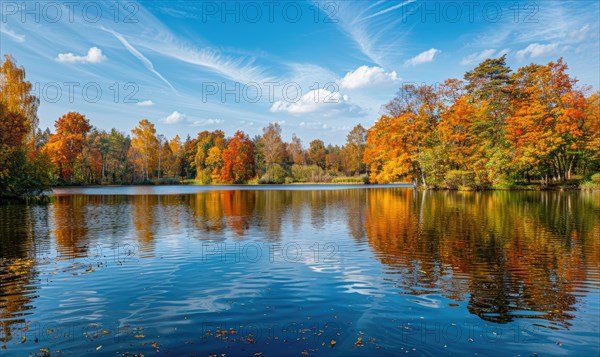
{"points": [[496, 128]]}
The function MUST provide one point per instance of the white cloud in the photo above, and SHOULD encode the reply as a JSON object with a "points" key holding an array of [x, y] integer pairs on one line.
{"points": [[10, 33], [145, 103], [205, 122], [94, 55], [536, 50], [422, 57], [174, 118], [365, 76], [310, 102]]}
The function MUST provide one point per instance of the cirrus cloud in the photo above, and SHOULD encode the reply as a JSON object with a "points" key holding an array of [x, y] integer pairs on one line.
{"points": [[478, 57]]}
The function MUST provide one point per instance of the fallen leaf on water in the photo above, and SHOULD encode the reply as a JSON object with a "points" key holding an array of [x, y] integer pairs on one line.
{"points": [[358, 342], [99, 348], [139, 336], [23, 339], [332, 343]]}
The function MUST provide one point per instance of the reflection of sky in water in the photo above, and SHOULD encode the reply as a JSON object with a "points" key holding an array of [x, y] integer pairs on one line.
{"points": [[386, 265]]}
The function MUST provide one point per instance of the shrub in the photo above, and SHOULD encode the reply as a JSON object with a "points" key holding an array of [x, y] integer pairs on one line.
{"points": [[309, 173], [351, 179], [458, 179], [166, 181], [276, 174], [592, 184]]}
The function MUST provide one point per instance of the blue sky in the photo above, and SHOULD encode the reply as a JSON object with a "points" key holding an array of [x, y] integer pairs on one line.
{"points": [[316, 67]]}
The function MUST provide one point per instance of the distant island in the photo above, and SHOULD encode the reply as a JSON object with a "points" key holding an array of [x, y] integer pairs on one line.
{"points": [[533, 128]]}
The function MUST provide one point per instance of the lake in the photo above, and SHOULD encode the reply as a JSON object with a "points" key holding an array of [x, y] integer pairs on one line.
{"points": [[300, 270]]}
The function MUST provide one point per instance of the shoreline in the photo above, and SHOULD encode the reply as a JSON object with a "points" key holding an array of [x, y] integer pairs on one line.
{"points": [[406, 184]]}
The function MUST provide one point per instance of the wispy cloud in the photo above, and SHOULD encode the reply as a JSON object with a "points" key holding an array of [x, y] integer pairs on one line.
{"points": [[12, 34], [139, 56], [536, 50], [154, 35], [371, 26], [237, 69], [207, 122], [423, 57], [391, 8], [94, 55], [478, 57]]}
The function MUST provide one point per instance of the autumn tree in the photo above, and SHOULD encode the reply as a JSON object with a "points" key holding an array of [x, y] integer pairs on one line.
{"points": [[332, 158], [214, 162], [204, 142], [316, 153], [238, 159], [355, 148], [547, 127], [271, 146], [173, 157], [144, 145], [591, 130], [24, 171], [67, 143], [92, 163], [296, 151], [398, 143], [15, 94]]}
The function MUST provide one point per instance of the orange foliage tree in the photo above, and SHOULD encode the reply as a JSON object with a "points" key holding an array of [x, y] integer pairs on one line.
{"points": [[238, 159], [547, 127], [65, 146]]}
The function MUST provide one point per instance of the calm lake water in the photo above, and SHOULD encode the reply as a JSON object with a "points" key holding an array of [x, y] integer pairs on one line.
{"points": [[307, 270]]}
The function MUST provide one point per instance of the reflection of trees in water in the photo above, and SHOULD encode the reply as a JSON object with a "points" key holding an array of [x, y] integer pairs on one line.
{"points": [[510, 251], [268, 211], [506, 252], [70, 225], [22, 241]]}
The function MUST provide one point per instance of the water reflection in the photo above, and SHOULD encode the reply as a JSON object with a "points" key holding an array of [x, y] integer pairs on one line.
{"points": [[508, 255]]}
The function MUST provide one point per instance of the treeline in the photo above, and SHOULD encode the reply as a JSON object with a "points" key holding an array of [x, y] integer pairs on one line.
{"points": [[493, 129], [82, 154]]}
